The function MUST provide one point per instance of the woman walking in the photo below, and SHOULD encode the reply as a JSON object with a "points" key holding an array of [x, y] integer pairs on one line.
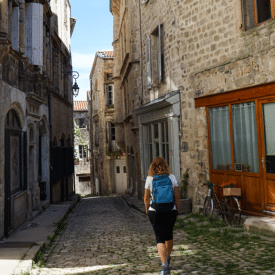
{"points": [[162, 216]]}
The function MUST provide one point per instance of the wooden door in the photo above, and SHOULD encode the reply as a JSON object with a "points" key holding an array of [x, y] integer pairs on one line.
{"points": [[267, 155], [120, 176]]}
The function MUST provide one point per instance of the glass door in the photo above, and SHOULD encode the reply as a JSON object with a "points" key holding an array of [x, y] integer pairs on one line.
{"points": [[268, 153]]}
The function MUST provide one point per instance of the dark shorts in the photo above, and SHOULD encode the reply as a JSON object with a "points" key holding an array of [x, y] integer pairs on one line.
{"points": [[163, 224]]}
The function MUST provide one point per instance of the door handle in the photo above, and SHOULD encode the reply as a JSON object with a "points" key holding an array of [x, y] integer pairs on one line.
{"points": [[263, 162]]}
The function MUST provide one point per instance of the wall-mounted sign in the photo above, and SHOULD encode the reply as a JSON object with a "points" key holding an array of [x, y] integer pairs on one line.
{"points": [[238, 167], [76, 162]]}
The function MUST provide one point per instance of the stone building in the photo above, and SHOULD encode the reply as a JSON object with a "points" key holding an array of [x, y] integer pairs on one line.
{"points": [[82, 148], [27, 110], [207, 71], [108, 160]]}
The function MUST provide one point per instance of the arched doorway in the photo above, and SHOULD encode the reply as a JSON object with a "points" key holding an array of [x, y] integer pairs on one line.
{"points": [[15, 168]]}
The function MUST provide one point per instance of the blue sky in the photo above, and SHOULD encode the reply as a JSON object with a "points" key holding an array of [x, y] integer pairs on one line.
{"points": [[93, 32]]}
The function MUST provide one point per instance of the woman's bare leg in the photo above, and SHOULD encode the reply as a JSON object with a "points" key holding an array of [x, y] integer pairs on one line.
{"points": [[169, 246], [162, 252]]}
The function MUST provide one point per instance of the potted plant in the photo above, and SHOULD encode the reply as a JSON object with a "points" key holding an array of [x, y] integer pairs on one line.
{"points": [[230, 190], [246, 167], [185, 204]]}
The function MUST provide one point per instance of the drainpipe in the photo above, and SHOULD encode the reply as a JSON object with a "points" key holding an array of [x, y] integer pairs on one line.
{"points": [[50, 112], [141, 54], [92, 139]]}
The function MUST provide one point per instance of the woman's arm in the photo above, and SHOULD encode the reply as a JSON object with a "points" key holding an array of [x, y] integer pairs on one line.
{"points": [[147, 199], [177, 196]]}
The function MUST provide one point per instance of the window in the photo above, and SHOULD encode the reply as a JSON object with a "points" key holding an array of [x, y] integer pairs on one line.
{"points": [[109, 90], [109, 77], [96, 135], [244, 135], [154, 58], [111, 139], [118, 170], [83, 151], [156, 142], [124, 169], [81, 123], [83, 179], [256, 12]]}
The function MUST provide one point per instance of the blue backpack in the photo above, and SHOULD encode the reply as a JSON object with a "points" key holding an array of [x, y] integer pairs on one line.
{"points": [[163, 194]]}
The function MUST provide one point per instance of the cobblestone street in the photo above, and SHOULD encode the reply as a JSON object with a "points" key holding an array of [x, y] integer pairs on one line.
{"points": [[105, 236]]}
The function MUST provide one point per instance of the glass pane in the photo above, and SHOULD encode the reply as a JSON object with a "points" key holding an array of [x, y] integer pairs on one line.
{"points": [[167, 153], [245, 136], [269, 131], [118, 169], [156, 131], [162, 132], [150, 154], [163, 151], [220, 138], [157, 149], [149, 133], [263, 10], [124, 169], [166, 131]]}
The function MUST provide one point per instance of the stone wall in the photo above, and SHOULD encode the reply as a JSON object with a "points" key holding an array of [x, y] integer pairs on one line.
{"points": [[84, 164], [205, 51], [101, 115]]}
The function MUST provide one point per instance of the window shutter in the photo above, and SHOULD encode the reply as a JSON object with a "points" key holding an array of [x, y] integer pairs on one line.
{"points": [[107, 94], [248, 14], [148, 62], [15, 28], [159, 53], [113, 95], [143, 1]]}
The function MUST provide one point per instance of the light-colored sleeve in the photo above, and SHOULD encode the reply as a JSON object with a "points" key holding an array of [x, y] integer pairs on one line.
{"points": [[148, 182], [173, 180]]}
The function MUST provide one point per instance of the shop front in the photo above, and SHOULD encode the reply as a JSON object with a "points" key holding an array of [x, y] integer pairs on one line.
{"points": [[241, 142]]}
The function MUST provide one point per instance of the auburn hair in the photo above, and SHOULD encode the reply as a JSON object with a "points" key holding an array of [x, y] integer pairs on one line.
{"points": [[158, 167]]}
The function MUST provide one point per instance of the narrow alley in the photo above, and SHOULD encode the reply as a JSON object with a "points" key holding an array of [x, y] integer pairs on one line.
{"points": [[106, 236]]}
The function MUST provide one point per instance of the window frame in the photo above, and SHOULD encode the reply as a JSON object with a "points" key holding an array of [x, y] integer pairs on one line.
{"points": [[81, 119], [153, 141], [109, 94], [255, 13], [229, 104], [82, 151]]}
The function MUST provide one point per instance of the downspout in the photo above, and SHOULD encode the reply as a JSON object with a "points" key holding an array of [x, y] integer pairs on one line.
{"points": [[72, 100], [141, 54], [50, 113], [92, 138]]}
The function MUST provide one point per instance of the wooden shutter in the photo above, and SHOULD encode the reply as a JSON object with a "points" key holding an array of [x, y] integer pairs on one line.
{"points": [[148, 63], [159, 53], [113, 94], [107, 94], [248, 14]]}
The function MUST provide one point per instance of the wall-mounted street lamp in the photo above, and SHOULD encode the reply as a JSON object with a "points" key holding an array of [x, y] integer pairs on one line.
{"points": [[75, 76], [75, 87]]}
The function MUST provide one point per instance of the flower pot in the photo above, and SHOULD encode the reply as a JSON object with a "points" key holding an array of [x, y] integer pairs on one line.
{"points": [[185, 206], [236, 192]]}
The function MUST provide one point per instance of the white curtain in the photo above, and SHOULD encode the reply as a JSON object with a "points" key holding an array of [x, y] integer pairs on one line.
{"points": [[220, 138], [245, 135]]}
